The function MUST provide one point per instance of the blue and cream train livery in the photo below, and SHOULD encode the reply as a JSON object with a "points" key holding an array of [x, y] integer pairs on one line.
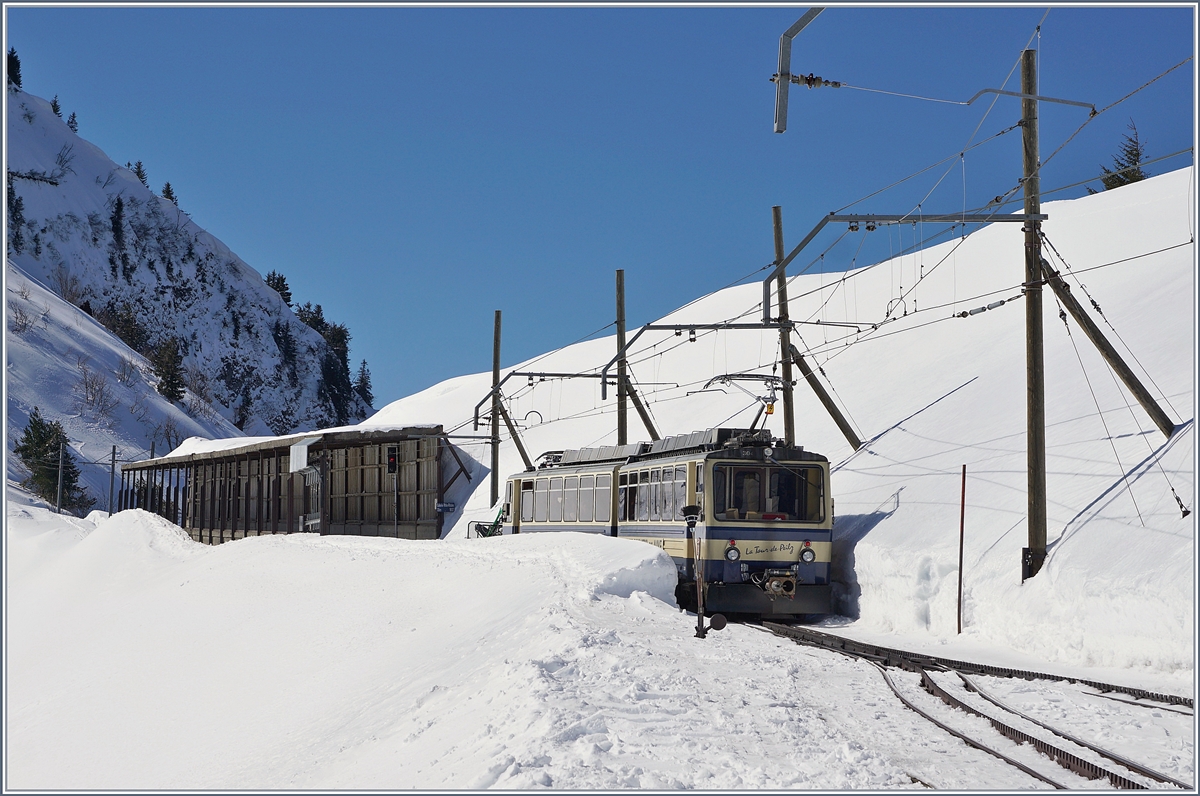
{"points": [[765, 520]]}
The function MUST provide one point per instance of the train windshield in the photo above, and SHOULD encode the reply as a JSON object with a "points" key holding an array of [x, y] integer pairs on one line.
{"points": [[750, 492]]}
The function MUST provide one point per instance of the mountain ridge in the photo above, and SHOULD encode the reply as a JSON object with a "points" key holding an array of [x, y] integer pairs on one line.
{"points": [[88, 227]]}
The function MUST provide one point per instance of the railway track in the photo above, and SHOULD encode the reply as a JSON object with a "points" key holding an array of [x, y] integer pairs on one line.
{"points": [[951, 682]]}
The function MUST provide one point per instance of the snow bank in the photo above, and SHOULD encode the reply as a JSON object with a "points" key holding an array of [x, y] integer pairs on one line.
{"points": [[198, 653]]}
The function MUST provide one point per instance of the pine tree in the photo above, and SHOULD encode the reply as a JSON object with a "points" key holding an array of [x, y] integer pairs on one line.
{"points": [[286, 343], [38, 450], [117, 253], [16, 220], [278, 282], [1127, 162], [168, 366], [312, 317], [139, 171], [168, 193], [72, 123], [123, 321], [242, 413], [362, 385], [334, 388], [54, 106], [14, 68]]}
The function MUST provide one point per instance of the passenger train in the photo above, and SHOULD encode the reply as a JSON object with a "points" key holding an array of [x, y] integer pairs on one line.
{"points": [[764, 527]]}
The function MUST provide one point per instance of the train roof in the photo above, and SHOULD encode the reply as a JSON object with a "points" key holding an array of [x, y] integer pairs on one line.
{"points": [[712, 439]]}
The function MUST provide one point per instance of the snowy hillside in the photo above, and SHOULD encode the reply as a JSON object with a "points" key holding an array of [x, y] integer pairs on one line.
{"points": [[91, 231], [139, 659], [932, 392], [76, 372]]}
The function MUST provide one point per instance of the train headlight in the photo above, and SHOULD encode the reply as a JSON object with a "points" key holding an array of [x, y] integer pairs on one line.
{"points": [[808, 555], [732, 553]]}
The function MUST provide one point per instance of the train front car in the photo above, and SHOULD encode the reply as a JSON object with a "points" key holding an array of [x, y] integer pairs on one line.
{"points": [[763, 532], [765, 525], [765, 528]]}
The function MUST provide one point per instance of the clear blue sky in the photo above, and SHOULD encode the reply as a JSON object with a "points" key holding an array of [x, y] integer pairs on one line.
{"points": [[415, 169]]}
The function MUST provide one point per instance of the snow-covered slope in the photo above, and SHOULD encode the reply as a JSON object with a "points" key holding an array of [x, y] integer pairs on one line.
{"points": [[179, 280], [931, 393], [139, 659], [76, 372]]}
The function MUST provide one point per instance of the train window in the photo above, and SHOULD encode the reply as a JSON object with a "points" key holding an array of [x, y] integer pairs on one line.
{"points": [[603, 497], [655, 496], [747, 492], [680, 491], [508, 499], [813, 495], [571, 499], [796, 494], [526, 501], [541, 500], [668, 493], [587, 484], [643, 497], [782, 497], [556, 499], [718, 490]]}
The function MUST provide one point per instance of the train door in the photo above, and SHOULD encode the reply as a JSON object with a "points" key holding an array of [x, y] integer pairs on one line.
{"points": [[523, 511]]}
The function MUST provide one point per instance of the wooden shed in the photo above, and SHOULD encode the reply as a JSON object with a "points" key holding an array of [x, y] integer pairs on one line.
{"points": [[368, 483]]}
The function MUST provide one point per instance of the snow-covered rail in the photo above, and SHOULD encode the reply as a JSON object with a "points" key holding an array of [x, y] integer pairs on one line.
{"points": [[962, 736], [1145, 771], [894, 657], [1064, 758], [1084, 763]]}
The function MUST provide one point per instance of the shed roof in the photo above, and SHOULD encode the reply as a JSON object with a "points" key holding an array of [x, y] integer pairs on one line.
{"points": [[194, 449]]}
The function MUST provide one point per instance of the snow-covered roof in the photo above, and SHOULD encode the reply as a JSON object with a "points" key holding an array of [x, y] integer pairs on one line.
{"points": [[194, 448]]}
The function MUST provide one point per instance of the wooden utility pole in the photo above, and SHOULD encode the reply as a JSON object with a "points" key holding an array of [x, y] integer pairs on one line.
{"points": [[512, 430], [790, 354], [1131, 381], [842, 423], [58, 495], [785, 330], [641, 410], [496, 411], [322, 496], [622, 409], [1035, 554]]}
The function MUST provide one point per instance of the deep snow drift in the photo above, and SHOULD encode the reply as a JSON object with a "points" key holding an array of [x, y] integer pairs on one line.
{"points": [[137, 658]]}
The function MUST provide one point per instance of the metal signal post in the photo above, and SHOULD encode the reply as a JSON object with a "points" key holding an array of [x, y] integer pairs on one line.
{"points": [[691, 515]]}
